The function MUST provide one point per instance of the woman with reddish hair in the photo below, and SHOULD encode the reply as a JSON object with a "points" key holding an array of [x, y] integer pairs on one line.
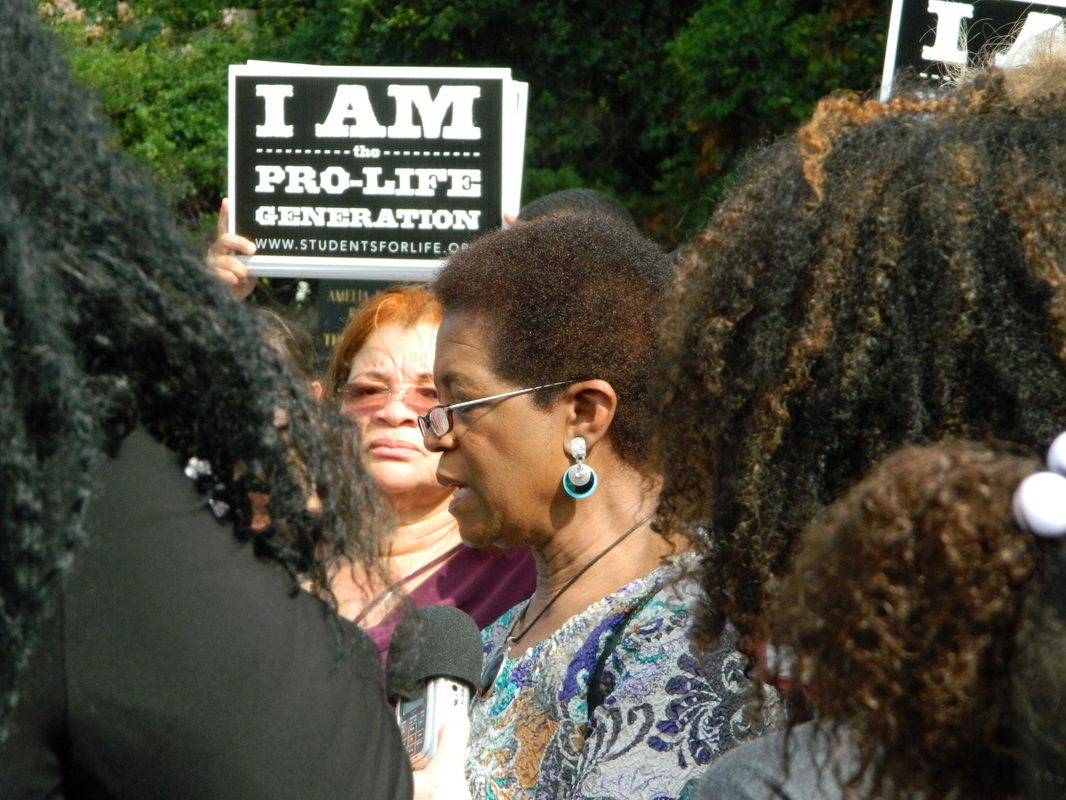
{"points": [[381, 374]]}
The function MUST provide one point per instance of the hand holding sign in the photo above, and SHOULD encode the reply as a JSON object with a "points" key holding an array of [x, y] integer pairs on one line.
{"points": [[222, 261]]}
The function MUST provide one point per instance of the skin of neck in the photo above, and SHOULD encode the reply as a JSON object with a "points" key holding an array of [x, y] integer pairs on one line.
{"points": [[423, 532], [582, 529], [424, 529]]}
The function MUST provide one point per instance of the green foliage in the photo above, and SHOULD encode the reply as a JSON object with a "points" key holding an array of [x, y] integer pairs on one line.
{"points": [[649, 100], [160, 75], [751, 70], [603, 102]]}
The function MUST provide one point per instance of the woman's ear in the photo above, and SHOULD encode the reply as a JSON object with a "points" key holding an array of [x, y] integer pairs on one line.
{"points": [[591, 405]]}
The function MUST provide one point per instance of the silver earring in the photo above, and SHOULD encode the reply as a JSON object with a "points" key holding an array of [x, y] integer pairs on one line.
{"points": [[579, 480]]}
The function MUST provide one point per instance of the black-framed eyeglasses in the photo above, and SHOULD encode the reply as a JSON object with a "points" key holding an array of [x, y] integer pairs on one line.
{"points": [[438, 420]]}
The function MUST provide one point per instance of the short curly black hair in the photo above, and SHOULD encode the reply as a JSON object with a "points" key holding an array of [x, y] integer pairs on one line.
{"points": [[566, 297], [893, 274], [572, 201]]}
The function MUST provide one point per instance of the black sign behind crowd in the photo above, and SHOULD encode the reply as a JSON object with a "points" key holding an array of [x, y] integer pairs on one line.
{"points": [[370, 172], [935, 38]]}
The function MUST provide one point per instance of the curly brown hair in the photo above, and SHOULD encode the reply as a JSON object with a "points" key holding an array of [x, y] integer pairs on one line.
{"points": [[567, 297], [891, 275], [902, 611]]}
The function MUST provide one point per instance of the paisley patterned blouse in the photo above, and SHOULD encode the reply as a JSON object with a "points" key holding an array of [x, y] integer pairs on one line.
{"points": [[664, 714]]}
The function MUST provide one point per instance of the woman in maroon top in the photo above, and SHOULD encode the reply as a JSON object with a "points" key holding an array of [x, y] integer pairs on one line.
{"points": [[382, 375]]}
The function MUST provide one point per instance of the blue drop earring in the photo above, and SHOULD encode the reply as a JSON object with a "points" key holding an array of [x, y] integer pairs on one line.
{"points": [[579, 480]]}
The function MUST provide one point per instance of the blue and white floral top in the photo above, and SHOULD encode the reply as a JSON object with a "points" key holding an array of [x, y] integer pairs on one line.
{"points": [[665, 712]]}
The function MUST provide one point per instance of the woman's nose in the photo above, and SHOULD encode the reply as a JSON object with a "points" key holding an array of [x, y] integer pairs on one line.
{"points": [[396, 412]]}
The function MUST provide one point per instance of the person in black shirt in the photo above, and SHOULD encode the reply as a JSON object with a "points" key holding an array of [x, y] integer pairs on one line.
{"points": [[154, 637]]}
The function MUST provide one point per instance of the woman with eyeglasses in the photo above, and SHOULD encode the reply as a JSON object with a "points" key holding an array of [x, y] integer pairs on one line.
{"points": [[590, 688], [382, 376]]}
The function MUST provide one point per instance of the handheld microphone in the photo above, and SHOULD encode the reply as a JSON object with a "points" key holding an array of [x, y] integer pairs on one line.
{"points": [[434, 665]]}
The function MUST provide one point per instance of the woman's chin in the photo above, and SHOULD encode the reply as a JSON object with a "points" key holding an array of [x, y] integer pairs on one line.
{"points": [[401, 479], [475, 536], [474, 529]]}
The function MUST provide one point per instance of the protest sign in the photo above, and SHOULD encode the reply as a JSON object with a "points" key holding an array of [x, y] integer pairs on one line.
{"points": [[936, 38], [337, 303], [370, 172]]}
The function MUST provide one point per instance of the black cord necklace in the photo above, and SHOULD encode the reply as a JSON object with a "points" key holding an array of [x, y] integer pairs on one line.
{"points": [[513, 637]]}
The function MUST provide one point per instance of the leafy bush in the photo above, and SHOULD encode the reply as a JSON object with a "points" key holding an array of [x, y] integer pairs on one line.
{"points": [[751, 71], [649, 100], [161, 79]]}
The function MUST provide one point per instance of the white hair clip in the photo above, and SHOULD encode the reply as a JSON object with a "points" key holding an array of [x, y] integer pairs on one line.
{"points": [[1040, 500], [197, 468]]}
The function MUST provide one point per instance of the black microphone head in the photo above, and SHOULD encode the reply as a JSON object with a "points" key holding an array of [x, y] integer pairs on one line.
{"points": [[433, 642]]}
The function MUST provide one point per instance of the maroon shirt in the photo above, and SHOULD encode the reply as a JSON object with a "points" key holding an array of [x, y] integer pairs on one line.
{"points": [[484, 583]]}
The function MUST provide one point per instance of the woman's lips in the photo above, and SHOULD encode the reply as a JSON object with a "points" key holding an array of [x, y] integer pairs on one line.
{"points": [[460, 494], [393, 448]]}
